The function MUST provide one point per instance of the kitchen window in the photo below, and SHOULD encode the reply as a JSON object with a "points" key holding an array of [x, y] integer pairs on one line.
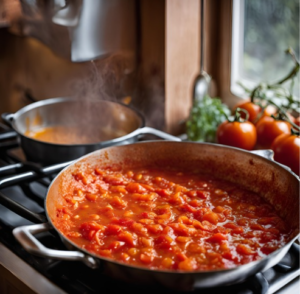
{"points": [[261, 32]]}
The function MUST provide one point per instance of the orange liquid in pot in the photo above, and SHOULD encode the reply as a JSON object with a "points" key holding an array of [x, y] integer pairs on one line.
{"points": [[168, 219], [73, 135]]}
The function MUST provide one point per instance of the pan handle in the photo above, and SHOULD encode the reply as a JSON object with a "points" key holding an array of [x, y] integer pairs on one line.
{"points": [[7, 118], [155, 132], [25, 235], [9, 134], [266, 153], [269, 154]]}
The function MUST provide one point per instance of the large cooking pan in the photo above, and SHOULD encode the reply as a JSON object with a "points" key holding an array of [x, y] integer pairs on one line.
{"points": [[274, 183], [109, 123]]}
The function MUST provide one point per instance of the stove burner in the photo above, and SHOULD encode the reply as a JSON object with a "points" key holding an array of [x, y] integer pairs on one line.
{"points": [[26, 183]]}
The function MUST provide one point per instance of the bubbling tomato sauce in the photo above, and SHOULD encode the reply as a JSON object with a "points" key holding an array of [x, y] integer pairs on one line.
{"points": [[168, 219]]}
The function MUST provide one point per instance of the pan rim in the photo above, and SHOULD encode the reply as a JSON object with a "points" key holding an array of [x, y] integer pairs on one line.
{"points": [[50, 101], [201, 272]]}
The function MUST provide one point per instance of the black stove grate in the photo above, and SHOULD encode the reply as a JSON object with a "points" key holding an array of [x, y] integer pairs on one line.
{"points": [[27, 183]]}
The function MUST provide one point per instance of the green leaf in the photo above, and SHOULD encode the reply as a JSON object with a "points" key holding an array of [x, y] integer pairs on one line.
{"points": [[205, 117]]}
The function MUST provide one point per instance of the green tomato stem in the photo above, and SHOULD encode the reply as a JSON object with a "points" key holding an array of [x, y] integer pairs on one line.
{"points": [[238, 117]]}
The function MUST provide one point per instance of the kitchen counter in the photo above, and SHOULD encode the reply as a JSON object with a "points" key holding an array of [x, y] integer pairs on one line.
{"points": [[16, 276]]}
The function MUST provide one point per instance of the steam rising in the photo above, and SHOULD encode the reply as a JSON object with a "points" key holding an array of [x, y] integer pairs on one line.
{"points": [[105, 79], [116, 77]]}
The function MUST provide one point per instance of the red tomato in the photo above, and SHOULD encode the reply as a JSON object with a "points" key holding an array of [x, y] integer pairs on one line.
{"points": [[286, 149], [237, 134], [291, 118], [268, 129], [297, 121], [254, 110]]}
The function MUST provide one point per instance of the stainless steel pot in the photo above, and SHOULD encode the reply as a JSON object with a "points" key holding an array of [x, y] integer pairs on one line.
{"points": [[274, 183], [88, 116]]}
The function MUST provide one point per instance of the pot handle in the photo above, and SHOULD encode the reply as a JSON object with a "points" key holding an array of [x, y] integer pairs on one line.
{"points": [[7, 118], [266, 153], [25, 235], [155, 132], [269, 154]]}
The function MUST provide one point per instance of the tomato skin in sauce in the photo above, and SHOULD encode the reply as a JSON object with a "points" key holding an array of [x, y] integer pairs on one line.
{"points": [[168, 219]]}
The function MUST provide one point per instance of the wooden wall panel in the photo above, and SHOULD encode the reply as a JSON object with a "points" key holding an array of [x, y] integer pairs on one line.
{"points": [[182, 59], [225, 41], [28, 65], [218, 48], [150, 96], [10, 12]]}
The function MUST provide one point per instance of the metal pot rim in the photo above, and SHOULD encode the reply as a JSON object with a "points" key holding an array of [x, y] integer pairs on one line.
{"points": [[244, 266], [70, 99]]}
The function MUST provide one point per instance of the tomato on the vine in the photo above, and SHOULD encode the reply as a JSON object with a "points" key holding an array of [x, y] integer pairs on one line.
{"points": [[252, 109], [297, 121], [286, 149], [237, 134], [255, 110], [268, 129]]}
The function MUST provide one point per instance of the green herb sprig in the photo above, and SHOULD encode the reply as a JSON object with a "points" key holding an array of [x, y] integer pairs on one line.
{"points": [[204, 119]]}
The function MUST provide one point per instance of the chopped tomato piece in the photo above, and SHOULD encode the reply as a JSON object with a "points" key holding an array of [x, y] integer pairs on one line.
{"points": [[127, 237], [205, 225], [89, 229], [167, 262], [135, 188], [147, 187], [118, 189], [113, 229], [244, 249], [118, 202], [217, 238], [257, 227], [146, 242], [155, 229], [91, 197], [187, 207], [176, 199], [185, 220], [164, 241], [181, 256], [115, 245], [196, 248], [150, 214], [230, 226], [211, 217], [182, 239], [124, 222], [238, 230], [195, 203], [133, 251], [114, 179], [139, 229], [146, 258], [125, 257], [163, 192], [105, 252], [187, 265], [203, 194]]}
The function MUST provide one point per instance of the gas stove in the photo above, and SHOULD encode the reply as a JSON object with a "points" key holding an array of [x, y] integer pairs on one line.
{"points": [[20, 272]]}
